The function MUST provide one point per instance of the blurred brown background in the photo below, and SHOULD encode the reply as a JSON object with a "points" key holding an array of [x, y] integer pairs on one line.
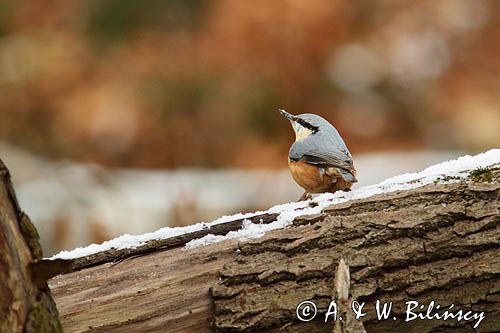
{"points": [[190, 83]]}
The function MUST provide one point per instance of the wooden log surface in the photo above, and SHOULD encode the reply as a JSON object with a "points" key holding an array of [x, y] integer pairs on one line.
{"points": [[437, 242], [25, 301]]}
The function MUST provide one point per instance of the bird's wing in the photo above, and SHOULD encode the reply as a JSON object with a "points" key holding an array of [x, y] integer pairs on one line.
{"points": [[326, 158], [341, 162]]}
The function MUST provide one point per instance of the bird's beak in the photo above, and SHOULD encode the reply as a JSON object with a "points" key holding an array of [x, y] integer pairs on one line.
{"points": [[287, 115]]}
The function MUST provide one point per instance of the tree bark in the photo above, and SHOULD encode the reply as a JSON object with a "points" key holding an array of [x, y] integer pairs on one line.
{"points": [[438, 242], [26, 304]]}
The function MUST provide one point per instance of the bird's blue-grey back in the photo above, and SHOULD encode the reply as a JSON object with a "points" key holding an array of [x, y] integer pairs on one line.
{"points": [[325, 148]]}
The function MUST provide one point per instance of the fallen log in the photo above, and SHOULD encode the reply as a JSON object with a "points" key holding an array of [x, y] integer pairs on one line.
{"points": [[439, 242]]}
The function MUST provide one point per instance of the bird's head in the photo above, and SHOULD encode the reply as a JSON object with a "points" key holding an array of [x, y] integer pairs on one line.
{"points": [[305, 124]]}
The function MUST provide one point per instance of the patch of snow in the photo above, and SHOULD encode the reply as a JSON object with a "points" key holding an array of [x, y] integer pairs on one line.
{"points": [[288, 212], [251, 230]]}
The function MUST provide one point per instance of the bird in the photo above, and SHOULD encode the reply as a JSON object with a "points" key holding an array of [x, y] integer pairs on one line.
{"points": [[319, 160]]}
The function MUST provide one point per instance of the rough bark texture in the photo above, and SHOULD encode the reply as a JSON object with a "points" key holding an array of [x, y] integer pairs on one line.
{"points": [[25, 301], [438, 242]]}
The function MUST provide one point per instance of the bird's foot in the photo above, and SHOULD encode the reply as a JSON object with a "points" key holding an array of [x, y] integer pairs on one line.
{"points": [[305, 196]]}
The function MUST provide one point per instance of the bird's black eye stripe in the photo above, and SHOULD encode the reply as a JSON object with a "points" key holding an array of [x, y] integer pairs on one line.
{"points": [[307, 125]]}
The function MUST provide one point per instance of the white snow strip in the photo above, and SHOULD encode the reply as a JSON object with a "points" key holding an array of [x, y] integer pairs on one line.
{"points": [[288, 212], [251, 230]]}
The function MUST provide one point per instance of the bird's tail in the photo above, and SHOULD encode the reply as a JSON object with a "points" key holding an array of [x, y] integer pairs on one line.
{"points": [[348, 175]]}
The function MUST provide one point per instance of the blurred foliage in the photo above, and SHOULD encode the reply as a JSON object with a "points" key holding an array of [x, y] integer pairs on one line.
{"points": [[260, 119], [198, 83], [179, 95], [115, 20], [5, 12]]}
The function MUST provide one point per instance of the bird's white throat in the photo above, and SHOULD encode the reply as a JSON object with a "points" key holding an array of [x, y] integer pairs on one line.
{"points": [[301, 132]]}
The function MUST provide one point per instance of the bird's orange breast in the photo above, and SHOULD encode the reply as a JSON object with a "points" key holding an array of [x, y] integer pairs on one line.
{"points": [[308, 176], [311, 179]]}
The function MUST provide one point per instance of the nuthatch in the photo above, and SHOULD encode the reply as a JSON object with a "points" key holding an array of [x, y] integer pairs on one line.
{"points": [[319, 160]]}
